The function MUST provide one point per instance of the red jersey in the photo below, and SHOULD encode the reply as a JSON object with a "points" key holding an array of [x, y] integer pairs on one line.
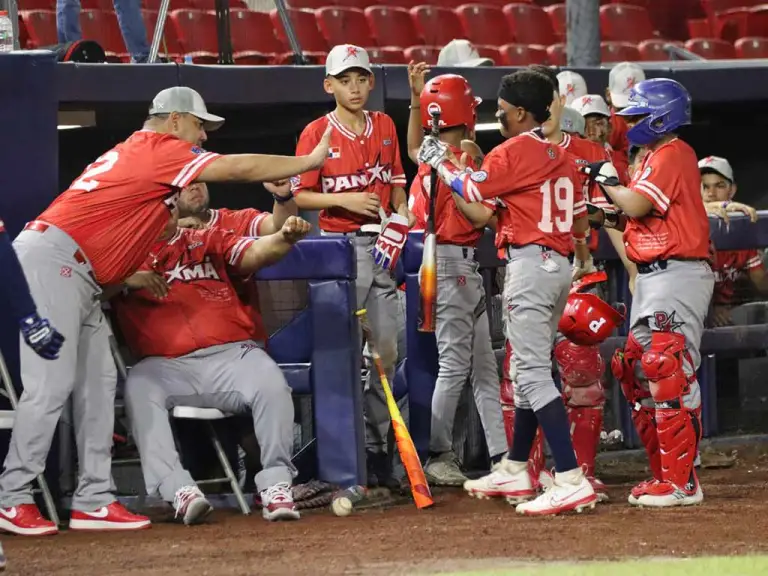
{"points": [[245, 222], [620, 161], [369, 162], [451, 226], [538, 187], [730, 267], [618, 138], [677, 226], [118, 208], [202, 308], [584, 152]]}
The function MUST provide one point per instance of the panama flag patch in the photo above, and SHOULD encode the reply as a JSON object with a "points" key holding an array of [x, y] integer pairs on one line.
{"points": [[334, 153]]}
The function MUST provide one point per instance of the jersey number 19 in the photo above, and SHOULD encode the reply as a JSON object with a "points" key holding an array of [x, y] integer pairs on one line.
{"points": [[556, 205]]}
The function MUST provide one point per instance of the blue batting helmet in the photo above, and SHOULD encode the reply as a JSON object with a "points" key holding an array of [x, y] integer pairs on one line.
{"points": [[667, 105]]}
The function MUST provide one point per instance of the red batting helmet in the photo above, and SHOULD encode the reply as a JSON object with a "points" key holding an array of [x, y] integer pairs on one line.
{"points": [[588, 320], [452, 96]]}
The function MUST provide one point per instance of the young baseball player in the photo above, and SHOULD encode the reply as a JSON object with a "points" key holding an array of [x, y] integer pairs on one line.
{"points": [[462, 330], [538, 186], [37, 332], [198, 350], [362, 178], [667, 236], [717, 190], [95, 234], [621, 79]]}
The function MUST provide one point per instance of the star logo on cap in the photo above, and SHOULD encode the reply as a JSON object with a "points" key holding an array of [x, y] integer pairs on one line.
{"points": [[352, 52], [709, 160], [570, 88], [631, 81], [587, 100]]}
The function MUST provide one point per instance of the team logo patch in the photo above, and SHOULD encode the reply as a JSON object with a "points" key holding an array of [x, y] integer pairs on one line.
{"points": [[197, 150], [666, 322], [551, 153], [387, 142], [479, 176], [461, 281], [646, 173], [247, 347], [334, 153], [434, 108], [66, 271], [295, 182]]}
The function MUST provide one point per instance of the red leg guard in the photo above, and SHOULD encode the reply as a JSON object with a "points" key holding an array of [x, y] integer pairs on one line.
{"points": [[678, 438], [586, 424], [507, 396], [623, 367]]}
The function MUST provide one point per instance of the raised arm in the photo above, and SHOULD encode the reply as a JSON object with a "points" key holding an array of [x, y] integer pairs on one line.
{"points": [[416, 76], [271, 249]]}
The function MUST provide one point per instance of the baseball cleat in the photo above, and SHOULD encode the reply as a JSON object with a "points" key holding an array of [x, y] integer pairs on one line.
{"points": [[26, 520], [277, 503], [508, 479], [191, 505], [114, 517], [664, 494], [639, 490], [570, 492], [443, 470], [599, 488]]}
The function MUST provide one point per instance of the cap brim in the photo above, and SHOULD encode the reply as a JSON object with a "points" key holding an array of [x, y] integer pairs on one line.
{"points": [[475, 62], [341, 69], [619, 100], [596, 113], [709, 170], [211, 122]]}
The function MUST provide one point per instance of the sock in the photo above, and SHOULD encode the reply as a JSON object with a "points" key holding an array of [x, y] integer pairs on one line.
{"points": [[557, 431], [526, 425], [496, 459]]}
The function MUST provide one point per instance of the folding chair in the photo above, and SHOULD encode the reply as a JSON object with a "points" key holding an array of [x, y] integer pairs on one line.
{"points": [[209, 415], [6, 423]]}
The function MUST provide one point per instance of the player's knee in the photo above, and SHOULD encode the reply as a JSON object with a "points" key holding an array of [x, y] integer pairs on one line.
{"points": [[663, 366], [581, 372], [539, 390]]}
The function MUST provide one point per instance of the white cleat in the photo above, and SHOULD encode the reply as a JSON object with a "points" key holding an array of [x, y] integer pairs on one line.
{"points": [[667, 495], [277, 503], [443, 470], [571, 491], [507, 479], [191, 505]]}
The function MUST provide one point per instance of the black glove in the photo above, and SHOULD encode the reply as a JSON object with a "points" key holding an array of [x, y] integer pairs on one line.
{"points": [[604, 173], [603, 217], [41, 336]]}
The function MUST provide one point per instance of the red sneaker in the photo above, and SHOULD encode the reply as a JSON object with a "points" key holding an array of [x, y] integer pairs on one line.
{"points": [[112, 517], [26, 520]]}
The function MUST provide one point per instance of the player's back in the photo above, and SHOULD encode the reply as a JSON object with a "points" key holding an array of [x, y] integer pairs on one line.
{"points": [[544, 193], [121, 203]]}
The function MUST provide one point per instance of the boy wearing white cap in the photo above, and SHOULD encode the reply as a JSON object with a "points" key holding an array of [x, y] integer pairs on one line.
{"points": [[461, 53], [571, 85], [717, 189], [360, 193], [621, 80], [597, 117]]}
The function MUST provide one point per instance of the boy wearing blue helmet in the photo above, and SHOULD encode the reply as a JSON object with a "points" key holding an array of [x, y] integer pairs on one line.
{"points": [[667, 236]]}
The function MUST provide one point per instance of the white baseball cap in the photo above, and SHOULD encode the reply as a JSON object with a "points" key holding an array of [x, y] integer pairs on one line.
{"points": [[571, 85], [591, 104], [345, 56], [185, 101], [621, 80], [461, 53], [717, 165], [572, 122]]}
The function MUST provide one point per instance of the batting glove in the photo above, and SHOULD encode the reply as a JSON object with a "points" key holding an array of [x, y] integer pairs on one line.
{"points": [[432, 152], [389, 244], [41, 336], [582, 268], [602, 217]]}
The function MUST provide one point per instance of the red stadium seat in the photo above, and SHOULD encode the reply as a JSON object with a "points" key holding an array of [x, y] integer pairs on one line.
{"points": [[731, 24], [249, 58], [757, 24], [712, 7], [623, 23], [95, 5], [654, 51], [253, 32], [557, 18], [311, 4], [41, 27], [529, 24], [407, 4], [619, 52], [387, 55], [752, 47], [392, 26], [177, 4], [426, 54], [170, 43], [711, 48], [699, 28], [437, 25], [491, 52], [211, 4], [305, 25], [641, 3], [104, 29], [344, 26], [484, 24], [312, 57], [27, 5], [556, 55], [196, 31], [522, 55]]}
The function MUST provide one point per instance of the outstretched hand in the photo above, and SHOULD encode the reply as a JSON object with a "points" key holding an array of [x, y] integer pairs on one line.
{"points": [[319, 155], [295, 229]]}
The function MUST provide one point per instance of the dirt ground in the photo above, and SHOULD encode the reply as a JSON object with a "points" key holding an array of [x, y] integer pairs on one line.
{"points": [[457, 534]]}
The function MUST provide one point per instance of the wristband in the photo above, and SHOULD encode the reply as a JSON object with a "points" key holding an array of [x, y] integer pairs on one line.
{"points": [[726, 203], [283, 199]]}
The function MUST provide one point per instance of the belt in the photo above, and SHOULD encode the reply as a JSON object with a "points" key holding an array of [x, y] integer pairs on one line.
{"points": [[454, 251], [658, 265], [517, 247], [365, 231], [41, 227]]}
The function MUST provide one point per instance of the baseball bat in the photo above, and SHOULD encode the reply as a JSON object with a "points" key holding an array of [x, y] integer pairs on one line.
{"points": [[422, 496], [428, 270]]}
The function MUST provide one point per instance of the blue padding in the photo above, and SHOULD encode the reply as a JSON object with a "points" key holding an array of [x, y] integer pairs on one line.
{"points": [[315, 258], [336, 386], [411, 257], [400, 386], [293, 342], [740, 234], [298, 377], [420, 370]]}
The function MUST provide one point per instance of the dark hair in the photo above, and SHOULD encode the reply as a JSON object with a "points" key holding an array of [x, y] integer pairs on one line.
{"points": [[547, 71], [632, 154], [529, 90]]}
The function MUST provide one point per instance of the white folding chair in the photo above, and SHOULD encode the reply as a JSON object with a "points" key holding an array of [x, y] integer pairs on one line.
{"points": [[209, 415], [7, 418]]}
